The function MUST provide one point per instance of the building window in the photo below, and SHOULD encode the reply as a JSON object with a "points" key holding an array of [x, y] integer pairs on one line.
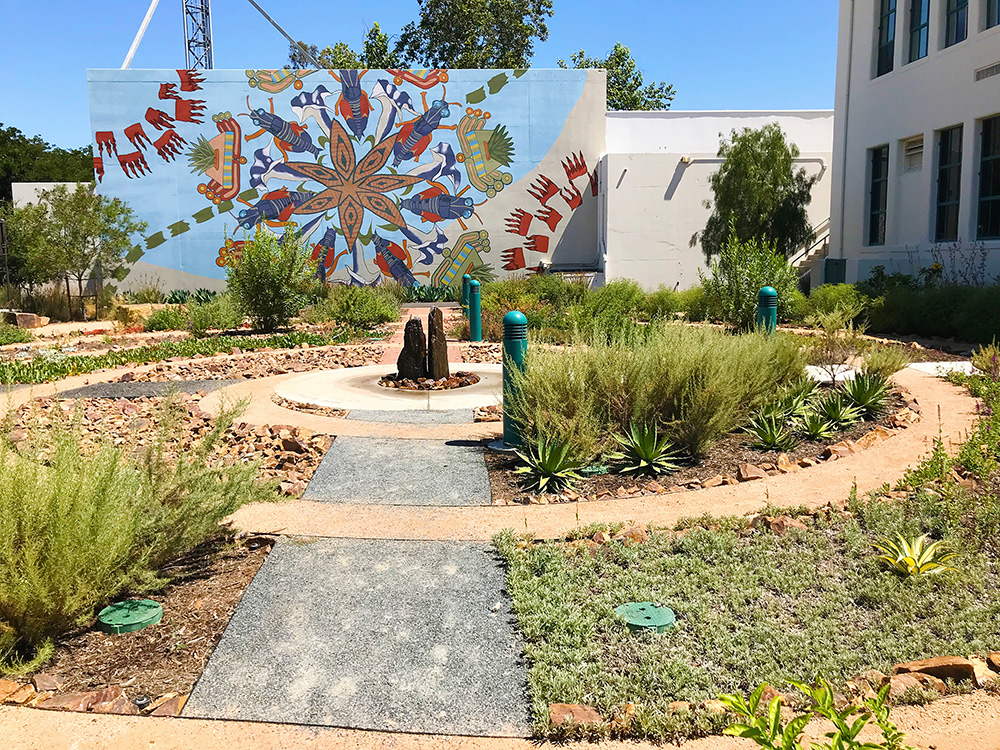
{"points": [[989, 181], [956, 22], [913, 154], [992, 13], [920, 22], [886, 37], [878, 195], [949, 184]]}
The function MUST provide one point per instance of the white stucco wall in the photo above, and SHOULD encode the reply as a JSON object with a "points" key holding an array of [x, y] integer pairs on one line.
{"points": [[654, 180], [27, 193], [922, 97]]}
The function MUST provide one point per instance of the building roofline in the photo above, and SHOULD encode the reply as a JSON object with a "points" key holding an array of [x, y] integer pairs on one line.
{"points": [[667, 113]]}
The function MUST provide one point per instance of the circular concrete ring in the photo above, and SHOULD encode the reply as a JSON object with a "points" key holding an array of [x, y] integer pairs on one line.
{"points": [[358, 388]]}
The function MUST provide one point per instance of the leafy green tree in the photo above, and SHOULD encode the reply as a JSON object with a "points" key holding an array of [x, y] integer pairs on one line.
{"points": [[271, 279], [626, 88], [759, 192], [87, 233], [375, 54], [475, 33], [27, 244], [24, 159]]}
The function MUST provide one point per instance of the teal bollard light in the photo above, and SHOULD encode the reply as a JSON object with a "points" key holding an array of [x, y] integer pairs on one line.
{"points": [[767, 309], [475, 312], [515, 349], [466, 279]]}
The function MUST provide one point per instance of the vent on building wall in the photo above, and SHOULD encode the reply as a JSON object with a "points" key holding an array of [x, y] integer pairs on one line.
{"points": [[913, 153], [988, 72]]}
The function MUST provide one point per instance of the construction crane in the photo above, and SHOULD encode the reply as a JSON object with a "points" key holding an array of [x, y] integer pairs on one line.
{"points": [[198, 53]]}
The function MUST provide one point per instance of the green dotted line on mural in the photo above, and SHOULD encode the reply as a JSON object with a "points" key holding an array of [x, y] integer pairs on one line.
{"points": [[494, 85]]}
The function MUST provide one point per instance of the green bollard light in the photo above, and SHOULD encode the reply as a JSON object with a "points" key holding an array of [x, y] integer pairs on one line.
{"points": [[767, 309], [475, 312], [465, 294], [515, 348]]}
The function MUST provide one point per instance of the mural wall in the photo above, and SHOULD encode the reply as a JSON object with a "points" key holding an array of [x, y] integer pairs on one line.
{"points": [[417, 176]]}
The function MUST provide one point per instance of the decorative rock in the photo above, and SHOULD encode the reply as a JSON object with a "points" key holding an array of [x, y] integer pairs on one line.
{"points": [[785, 465], [678, 706], [749, 472], [170, 707], [23, 320], [943, 667], [8, 688], [22, 695], [900, 683], [712, 481], [561, 713], [993, 660], [104, 698], [654, 487], [984, 675], [601, 537], [780, 525], [805, 463], [437, 345], [633, 534], [412, 361], [769, 694], [70, 702], [121, 706], [43, 682], [715, 706], [840, 450]]}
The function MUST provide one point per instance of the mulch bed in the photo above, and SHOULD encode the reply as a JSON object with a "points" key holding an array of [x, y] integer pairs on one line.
{"points": [[724, 459]]}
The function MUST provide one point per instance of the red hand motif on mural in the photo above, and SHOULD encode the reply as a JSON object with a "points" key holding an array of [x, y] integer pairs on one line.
{"points": [[99, 168], [513, 259], [537, 243], [137, 135], [191, 80], [593, 182], [518, 222], [572, 196], [133, 164], [188, 110], [542, 189], [550, 216], [158, 119], [575, 166], [168, 91], [106, 140], [169, 145]]}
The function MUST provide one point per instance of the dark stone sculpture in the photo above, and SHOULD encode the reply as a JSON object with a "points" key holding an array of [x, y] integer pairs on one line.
{"points": [[437, 346], [412, 361]]}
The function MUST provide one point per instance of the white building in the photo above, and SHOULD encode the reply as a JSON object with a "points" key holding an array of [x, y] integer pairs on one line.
{"points": [[917, 136], [655, 182]]}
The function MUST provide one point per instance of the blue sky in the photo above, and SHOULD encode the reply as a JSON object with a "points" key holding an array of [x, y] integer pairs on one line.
{"points": [[718, 54]]}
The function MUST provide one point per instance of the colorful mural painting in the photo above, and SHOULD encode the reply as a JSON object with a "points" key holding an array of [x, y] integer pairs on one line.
{"points": [[418, 176]]}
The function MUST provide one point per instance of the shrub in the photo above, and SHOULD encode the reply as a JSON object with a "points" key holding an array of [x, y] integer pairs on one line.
{"points": [[662, 303], [219, 313], [363, 307], [869, 393], [987, 360], [643, 451], [815, 426], [739, 273], [829, 297], [557, 291], [147, 292], [946, 311], [838, 410], [13, 335], [169, 318], [695, 383], [885, 361], [78, 530], [770, 433], [839, 340], [693, 303], [549, 466], [270, 279], [49, 301]]}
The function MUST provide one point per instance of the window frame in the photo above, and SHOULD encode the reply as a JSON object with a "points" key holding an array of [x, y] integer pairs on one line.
{"points": [[921, 30], [956, 33], [992, 14], [885, 48], [949, 180], [990, 158], [878, 205]]}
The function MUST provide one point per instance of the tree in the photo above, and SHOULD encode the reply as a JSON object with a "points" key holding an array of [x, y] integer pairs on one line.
{"points": [[27, 244], [475, 33], [626, 88], [24, 159], [375, 54], [87, 232], [759, 192]]}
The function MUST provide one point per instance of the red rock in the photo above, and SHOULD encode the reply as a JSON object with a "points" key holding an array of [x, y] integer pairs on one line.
{"points": [[107, 696], [22, 695], [70, 702], [621, 492], [677, 706], [840, 450], [780, 525], [43, 682], [170, 707], [729, 479], [943, 667], [633, 534], [805, 463], [984, 675], [39, 698], [769, 694], [120, 705], [749, 472], [8, 688], [561, 713], [900, 683], [993, 660], [654, 487], [601, 537], [633, 490], [714, 706], [712, 481]]}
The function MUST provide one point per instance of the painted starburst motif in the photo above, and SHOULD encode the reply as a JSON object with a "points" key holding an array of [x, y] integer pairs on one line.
{"points": [[353, 187]]}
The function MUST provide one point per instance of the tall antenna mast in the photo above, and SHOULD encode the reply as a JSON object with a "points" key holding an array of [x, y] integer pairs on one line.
{"points": [[198, 35]]}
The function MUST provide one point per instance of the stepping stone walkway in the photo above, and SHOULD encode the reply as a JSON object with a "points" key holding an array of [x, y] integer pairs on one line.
{"points": [[371, 634], [145, 390], [386, 471]]}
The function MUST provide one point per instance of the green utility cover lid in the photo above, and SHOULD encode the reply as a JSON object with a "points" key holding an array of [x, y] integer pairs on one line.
{"points": [[129, 616], [595, 469], [646, 616]]}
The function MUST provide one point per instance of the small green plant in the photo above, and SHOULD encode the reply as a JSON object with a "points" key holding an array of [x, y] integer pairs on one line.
{"points": [[987, 361], [169, 318], [885, 361], [869, 393], [915, 557], [218, 313], [840, 338], [147, 292], [549, 466], [765, 727], [13, 335], [644, 451], [359, 306], [815, 427], [838, 410], [770, 433], [270, 280]]}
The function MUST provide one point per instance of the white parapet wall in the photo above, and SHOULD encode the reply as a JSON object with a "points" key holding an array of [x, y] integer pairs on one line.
{"points": [[655, 180]]}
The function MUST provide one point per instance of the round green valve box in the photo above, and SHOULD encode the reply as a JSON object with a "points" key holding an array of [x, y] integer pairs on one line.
{"points": [[129, 616], [641, 616]]}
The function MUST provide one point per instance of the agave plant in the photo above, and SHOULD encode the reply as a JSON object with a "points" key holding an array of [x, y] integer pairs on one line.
{"points": [[770, 433], [838, 410], [915, 557], [643, 451], [815, 426], [549, 466], [869, 393]]}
